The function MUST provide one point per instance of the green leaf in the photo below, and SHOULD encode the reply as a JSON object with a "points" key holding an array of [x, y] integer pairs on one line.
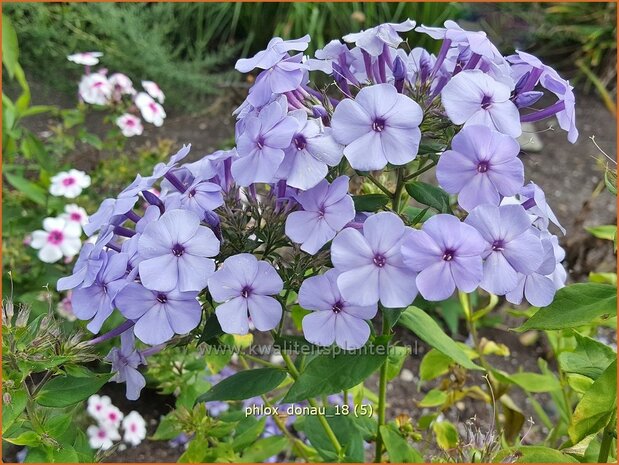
{"points": [[370, 202], [249, 436], [345, 430], [262, 449], [211, 329], [514, 418], [531, 454], [589, 358], [434, 398], [395, 360], [36, 110], [168, 428], [398, 448], [27, 438], [10, 46], [245, 384], [606, 232], [331, 373], [33, 148], [535, 382], [434, 364], [596, 407], [575, 305], [422, 324], [446, 434], [63, 391], [33, 191], [92, 140], [429, 195], [12, 410]]}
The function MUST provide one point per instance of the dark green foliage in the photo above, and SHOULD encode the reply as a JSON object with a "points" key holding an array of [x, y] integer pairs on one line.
{"points": [[189, 48]]}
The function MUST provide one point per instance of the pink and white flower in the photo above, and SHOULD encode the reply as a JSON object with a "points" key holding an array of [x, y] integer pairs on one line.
{"points": [[153, 90], [151, 111], [75, 213], [102, 437], [65, 308], [121, 85], [130, 125], [134, 427], [111, 417], [85, 58], [59, 238], [69, 184], [97, 405], [95, 88]]}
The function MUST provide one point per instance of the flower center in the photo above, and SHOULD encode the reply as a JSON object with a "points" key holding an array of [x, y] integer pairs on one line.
{"points": [[498, 246], [133, 428], [337, 307], [449, 255], [68, 181], [379, 260], [486, 102], [483, 166], [101, 434], [130, 122], [178, 250], [245, 292], [300, 142], [162, 298], [55, 237], [378, 125], [260, 142], [153, 107], [76, 217]]}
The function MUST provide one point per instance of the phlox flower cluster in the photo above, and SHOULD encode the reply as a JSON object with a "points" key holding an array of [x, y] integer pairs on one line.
{"points": [[117, 92], [110, 422], [240, 235]]}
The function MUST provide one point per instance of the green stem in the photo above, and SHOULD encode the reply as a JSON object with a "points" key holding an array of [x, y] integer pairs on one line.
{"points": [[382, 401], [323, 421], [294, 441], [468, 311], [377, 183], [420, 171], [607, 440], [397, 195], [260, 361]]}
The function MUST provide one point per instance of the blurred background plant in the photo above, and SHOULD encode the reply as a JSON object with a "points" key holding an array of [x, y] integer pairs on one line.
{"points": [[567, 34], [192, 61]]}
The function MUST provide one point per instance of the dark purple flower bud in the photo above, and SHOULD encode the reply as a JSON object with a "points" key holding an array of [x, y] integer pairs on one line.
{"points": [[399, 73], [527, 99], [154, 200]]}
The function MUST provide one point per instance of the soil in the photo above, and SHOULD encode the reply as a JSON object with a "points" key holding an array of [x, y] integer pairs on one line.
{"points": [[568, 173]]}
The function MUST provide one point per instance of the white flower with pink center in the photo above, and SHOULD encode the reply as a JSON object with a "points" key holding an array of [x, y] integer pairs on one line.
{"points": [[151, 111], [134, 427], [75, 213], [121, 85], [95, 88], [153, 90], [97, 406], [60, 238], [130, 125], [85, 58], [69, 184], [111, 417], [102, 437]]}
